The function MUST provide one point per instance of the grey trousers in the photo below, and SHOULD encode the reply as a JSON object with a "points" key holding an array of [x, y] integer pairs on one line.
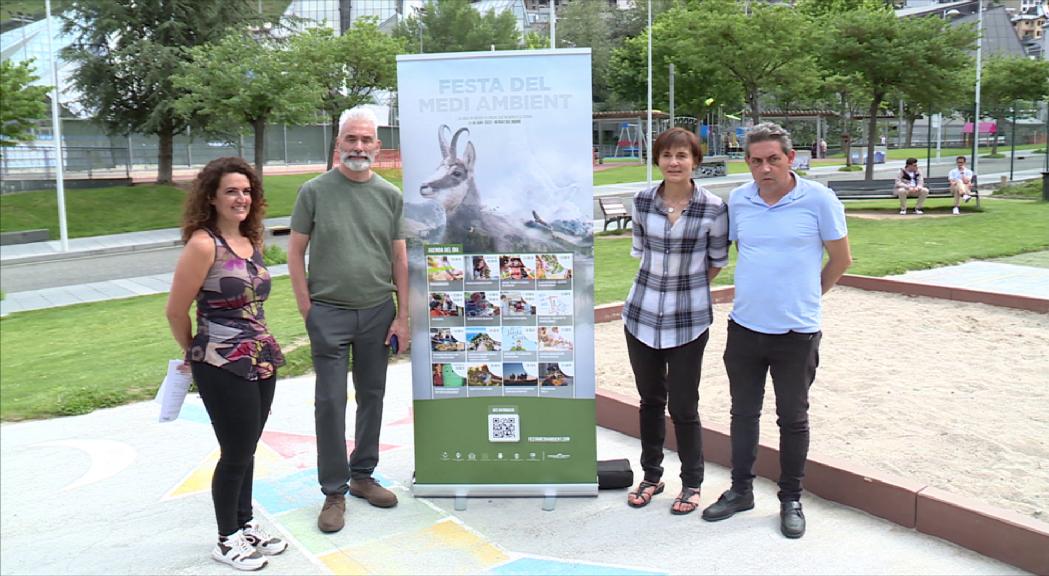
{"points": [[333, 332]]}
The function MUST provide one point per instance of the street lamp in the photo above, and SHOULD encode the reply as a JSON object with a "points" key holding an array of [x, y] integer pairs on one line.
{"points": [[976, 114], [56, 130]]}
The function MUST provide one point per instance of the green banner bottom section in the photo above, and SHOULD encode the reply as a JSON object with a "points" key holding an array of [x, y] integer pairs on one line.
{"points": [[505, 440]]}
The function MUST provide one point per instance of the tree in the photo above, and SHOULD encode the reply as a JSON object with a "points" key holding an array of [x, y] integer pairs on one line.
{"points": [[696, 79], [817, 9], [632, 21], [455, 26], [348, 68], [847, 90], [22, 105], [126, 53], [242, 81], [587, 25], [769, 47], [887, 53], [1006, 80]]}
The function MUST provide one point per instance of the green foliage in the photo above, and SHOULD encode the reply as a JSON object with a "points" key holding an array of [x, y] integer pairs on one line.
{"points": [[832, 8], [885, 54], [1006, 80], [273, 255], [719, 52], [243, 81], [126, 53], [22, 105], [348, 68], [455, 26], [536, 41], [32, 10], [696, 79], [589, 25]]}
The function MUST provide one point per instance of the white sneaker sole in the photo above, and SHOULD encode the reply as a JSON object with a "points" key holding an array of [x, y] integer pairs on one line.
{"points": [[272, 551], [246, 566]]}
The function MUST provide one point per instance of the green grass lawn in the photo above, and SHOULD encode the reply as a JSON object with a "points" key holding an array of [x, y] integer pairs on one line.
{"points": [[113, 210], [75, 359], [945, 153]]}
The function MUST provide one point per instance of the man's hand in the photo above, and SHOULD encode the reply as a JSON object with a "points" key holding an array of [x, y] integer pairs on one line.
{"points": [[399, 327], [304, 308]]}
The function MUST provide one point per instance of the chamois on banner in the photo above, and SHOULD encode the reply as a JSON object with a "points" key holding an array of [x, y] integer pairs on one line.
{"points": [[469, 221]]}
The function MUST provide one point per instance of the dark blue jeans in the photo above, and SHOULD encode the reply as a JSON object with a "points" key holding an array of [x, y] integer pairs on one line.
{"points": [[792, 359]]}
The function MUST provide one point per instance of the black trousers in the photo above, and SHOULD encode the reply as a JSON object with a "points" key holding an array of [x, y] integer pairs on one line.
{"points": [[238, 409], [671, 374], [792, 359]]}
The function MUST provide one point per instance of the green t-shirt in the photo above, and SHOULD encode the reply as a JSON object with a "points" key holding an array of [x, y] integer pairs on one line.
{"points": [[351, 226]]}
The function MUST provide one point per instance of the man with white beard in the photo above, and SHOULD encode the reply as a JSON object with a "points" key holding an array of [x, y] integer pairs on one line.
{"points": [[350, 217]]}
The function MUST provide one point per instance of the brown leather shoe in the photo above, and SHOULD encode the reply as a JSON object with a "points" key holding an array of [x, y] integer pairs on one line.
{"points": [[331, 517], [371, 491]]}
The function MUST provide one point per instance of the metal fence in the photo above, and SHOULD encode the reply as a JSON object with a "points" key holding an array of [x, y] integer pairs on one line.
{"points": [[39, 162], [91, 153]]}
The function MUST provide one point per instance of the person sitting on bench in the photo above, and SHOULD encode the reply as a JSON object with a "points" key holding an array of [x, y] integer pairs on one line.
{"points": [[961, 182], [910, 182]]}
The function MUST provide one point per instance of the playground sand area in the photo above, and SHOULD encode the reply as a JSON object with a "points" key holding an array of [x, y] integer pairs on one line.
{"points": [[946, 393]]}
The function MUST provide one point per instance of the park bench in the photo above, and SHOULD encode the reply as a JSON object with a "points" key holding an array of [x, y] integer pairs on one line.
{"points": [[278, 230], [876, 189], [614, 211]]}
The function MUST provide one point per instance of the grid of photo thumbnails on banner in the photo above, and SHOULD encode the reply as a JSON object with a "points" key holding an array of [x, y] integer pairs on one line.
{"points": [[500, 324]]}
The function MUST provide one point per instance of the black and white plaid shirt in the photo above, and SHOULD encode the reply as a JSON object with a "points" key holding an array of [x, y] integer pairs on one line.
{"points": [[669, 304]]}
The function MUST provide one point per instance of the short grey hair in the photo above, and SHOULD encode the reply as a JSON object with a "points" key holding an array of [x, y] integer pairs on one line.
{"points": [[768, 131], [359, 113]]}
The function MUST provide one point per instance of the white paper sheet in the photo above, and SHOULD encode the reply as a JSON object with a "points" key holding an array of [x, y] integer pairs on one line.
{"points": [[173, 391]]}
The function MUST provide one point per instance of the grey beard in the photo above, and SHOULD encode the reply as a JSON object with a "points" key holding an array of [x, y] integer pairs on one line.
{"points": [[357, 164]]}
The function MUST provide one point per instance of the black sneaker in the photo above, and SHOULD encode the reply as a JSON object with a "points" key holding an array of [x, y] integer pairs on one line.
{"points": [[791, 519], [728, 504]]}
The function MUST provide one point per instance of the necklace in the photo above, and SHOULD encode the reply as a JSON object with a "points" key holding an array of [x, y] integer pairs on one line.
{"points": [[677, 206]]}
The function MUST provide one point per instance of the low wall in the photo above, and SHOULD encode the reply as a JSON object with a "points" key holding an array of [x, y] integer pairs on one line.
{"points": [[994, 532]]}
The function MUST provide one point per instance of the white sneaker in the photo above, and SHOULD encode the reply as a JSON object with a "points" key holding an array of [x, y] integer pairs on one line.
{"points": [[903, 212], [955, 210], [238, 553], [262, 540], [966, 197], [918, 212]]}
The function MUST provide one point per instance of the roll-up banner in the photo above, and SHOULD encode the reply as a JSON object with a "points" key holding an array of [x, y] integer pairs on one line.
{"points": [[498, 189]]}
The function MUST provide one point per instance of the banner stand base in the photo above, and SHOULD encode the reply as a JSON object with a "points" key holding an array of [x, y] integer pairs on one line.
{"points": [[460, 492]]}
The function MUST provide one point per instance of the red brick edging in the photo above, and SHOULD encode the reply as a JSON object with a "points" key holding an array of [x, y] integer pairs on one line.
{"points": [[995, 532]]}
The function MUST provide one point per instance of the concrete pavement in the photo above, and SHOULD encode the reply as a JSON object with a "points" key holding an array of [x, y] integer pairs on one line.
{"points": [[114, 491]]}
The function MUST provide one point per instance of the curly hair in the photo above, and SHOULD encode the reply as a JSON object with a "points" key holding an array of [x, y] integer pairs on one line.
{"points": [[199, 214]]}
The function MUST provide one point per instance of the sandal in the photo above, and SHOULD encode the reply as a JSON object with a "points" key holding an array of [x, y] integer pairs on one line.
{"points": [[642, 495], [683, 499]]}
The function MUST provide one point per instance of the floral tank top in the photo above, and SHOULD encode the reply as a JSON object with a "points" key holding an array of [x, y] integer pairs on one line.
{"points": [[231, 324]]}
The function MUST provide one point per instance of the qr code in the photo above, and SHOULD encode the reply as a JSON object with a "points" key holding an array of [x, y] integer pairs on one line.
{"points": [[504, 428]]}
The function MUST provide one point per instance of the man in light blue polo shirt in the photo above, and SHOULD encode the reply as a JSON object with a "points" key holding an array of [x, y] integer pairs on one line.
{"points": [[781, 224]]}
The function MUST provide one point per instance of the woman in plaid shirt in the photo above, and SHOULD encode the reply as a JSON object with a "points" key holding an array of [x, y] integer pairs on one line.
{"points": [[681, 237]]}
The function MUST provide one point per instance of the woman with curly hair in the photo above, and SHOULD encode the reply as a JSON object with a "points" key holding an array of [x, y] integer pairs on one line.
{"points": [[233, 356]]}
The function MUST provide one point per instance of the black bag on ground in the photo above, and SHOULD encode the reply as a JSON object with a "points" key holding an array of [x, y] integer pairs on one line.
{"points": [[614, 474]]}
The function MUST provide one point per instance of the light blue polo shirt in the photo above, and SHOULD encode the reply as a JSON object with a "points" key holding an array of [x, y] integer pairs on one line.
{"points": [[781, 255]]}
